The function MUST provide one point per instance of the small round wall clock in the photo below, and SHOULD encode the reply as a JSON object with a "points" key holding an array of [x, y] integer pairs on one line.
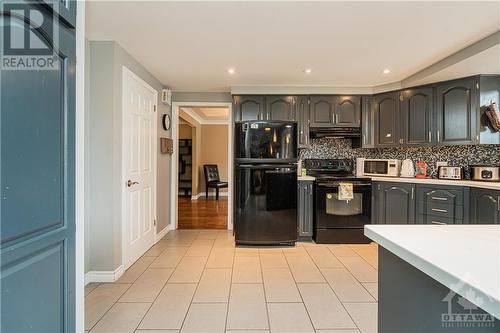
{"points": [[166, 122]]}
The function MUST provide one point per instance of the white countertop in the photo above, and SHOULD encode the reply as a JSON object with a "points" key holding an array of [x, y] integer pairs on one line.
{"points": [[461, 257], [306, 178], [468, 183]]}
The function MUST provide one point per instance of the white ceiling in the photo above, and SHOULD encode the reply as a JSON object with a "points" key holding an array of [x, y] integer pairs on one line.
{"points": [[208, 115], [189, 46]]}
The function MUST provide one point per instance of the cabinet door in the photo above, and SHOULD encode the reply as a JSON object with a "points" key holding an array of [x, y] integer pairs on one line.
{"points": [[322, 111], [280, 108], [305, 197], [347, 111], [302, 113], [249, 107], [367, 122], [416, 115], [485, 206], [396, 203], [386, 107], [457, 112]]}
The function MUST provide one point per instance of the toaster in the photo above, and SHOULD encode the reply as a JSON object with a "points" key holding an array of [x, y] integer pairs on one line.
{"points": [[485, 173], [450, 172]]}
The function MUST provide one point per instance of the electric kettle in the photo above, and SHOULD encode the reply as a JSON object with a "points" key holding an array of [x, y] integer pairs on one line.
{"points": [[407, 169]]}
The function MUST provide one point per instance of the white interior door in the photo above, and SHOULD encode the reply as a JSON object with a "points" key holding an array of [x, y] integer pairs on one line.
{"points": [[139, 167]]}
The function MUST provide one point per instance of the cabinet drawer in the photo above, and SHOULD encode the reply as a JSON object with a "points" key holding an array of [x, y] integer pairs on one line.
{"points": [[448, 196], [442, 210], [440, 220]]}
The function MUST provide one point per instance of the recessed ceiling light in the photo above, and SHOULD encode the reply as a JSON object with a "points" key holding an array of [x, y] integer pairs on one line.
{"points": [[308, 71], [230, 70], [386, 71]]}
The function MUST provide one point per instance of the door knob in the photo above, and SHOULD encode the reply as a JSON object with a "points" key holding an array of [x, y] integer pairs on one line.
{"points": [[131, 183]]}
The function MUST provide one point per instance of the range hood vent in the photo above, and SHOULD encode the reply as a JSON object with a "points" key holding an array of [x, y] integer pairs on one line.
{"points": [[353, 133]]}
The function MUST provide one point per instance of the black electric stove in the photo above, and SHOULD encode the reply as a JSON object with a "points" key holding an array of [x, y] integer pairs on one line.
{"points": [[339, 221]]}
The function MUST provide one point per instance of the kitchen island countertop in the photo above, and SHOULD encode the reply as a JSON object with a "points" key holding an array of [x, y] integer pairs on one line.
{"points": [[460, 257]]}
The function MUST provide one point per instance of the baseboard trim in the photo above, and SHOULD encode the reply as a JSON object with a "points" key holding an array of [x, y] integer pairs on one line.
{"points": [[162, 233], [104, 276], [210, 194]]}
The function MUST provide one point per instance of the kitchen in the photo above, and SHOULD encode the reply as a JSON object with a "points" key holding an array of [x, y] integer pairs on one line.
{"points": [[365, 166]]}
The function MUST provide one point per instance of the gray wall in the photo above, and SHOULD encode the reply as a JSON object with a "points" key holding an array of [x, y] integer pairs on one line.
{"points": [[104, 160], [183, 96]]}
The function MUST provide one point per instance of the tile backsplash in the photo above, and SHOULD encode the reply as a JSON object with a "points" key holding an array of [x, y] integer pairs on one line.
{"points": [[455, 155]]}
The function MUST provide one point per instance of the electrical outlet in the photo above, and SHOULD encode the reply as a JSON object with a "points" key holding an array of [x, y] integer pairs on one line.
{"points": [[441, 163]]}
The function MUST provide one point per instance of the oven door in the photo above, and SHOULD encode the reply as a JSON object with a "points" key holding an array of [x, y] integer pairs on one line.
{"points": [[331, 213]]}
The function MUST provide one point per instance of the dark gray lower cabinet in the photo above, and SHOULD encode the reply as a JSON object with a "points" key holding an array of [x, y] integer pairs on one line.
{"points": [[305, 209], [485, 206], [439, 204], [394, 203]]}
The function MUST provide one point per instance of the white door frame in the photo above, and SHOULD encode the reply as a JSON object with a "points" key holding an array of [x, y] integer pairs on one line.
{"points": [[175, 156], [127, 72]]}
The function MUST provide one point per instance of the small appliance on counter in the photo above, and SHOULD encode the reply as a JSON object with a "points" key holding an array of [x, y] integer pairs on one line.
{"points": [[450, 172], [421, 171], [377, 167], [485, 173], [407, 169]]}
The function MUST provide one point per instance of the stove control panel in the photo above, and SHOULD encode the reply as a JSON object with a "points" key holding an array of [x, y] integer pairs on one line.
{"points": [[341, 165]]}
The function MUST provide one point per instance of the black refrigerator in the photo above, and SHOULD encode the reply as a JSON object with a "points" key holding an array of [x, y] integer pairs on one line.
{"points": [[265, 186]]}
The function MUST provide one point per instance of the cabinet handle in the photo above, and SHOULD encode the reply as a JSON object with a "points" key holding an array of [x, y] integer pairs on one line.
{"points": [[439, 210], [364, 139], [498, 203], [310, 190], [430, 137], [412, 190], [477, 138], [439, 198], [436, 222], [438, 136]]}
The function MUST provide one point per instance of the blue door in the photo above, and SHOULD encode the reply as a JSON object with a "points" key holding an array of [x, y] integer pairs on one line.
{"points": [[37, 209]]}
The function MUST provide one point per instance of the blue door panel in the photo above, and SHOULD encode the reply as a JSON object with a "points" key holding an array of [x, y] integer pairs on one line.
{"points": [[34, 284], [37, 209], [32, 146]]}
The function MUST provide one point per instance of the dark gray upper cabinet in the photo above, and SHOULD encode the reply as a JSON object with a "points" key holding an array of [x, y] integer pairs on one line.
{"points": [[457, 112], [347, 111], [489, 88], [416, 115], [280, 108], [386, 108], [367, 122], [395, 203], [249, 108], [322, 111], [484, 206], [302, 113]]}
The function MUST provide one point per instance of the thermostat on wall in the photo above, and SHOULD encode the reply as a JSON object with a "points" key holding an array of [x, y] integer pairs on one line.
{"points": [[166, 96]]}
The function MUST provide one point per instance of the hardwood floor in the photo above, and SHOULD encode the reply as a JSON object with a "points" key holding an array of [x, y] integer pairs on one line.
{"points": [[202, 213]]}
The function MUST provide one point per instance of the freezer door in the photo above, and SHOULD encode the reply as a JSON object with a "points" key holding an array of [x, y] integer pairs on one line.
{"points": [[266, 204]]}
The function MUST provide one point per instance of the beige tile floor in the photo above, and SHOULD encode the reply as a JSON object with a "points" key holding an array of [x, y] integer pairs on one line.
{"points": [[197, 281]]}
